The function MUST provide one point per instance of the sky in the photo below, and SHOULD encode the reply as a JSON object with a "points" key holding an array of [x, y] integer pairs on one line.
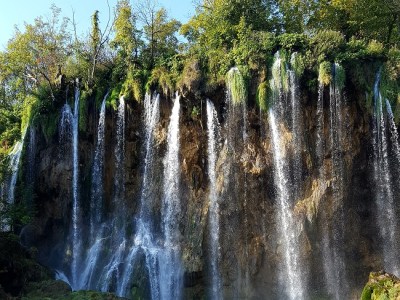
{"points": [[16, 12]]}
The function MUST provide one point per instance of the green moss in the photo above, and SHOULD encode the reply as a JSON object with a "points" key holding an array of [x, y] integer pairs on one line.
{"points": [[325, 73], [262, 96], [297, 63], [113, 96], [236, 86], [83, 109], [28, 108]]}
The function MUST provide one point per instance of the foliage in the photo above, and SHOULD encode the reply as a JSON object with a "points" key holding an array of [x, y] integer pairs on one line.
{"points": [[161, 79], [113, 97], [325, 73], [327, 43], [83, 109], [293, 41], [132, 87], [297, 63], [126, 39], [236, 86]]}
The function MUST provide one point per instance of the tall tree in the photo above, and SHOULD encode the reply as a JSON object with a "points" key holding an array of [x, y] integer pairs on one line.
{"points": [[159, 32], [127, 39]]}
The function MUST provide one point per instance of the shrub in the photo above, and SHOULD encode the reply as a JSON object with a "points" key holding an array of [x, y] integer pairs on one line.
{"points": [[375, 48]]}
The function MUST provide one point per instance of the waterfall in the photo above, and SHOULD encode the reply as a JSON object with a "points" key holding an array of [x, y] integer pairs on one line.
{"points": [[333, 224], [144, 237], [119, 179], [213, 129], [8, 188], [233, 197], [384, 189], [76, 238], [30, 174], [14, 157], [96, 239], [171, 273], [293, 273], [112, 271], [96, 197], [320, 145], [297, 129]]}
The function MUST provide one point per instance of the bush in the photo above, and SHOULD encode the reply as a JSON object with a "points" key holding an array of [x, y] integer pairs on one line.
{"points": [[375, 48]]}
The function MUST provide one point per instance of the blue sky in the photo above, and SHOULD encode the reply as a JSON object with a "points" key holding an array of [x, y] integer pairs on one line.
{"points": [[16, 12]]}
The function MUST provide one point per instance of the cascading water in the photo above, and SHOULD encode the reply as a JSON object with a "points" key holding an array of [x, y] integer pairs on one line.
{"points": [[76, 237], [15, 156], [9, 187], [293, 273], [96, 197], [144, 237], [385, 202], [171, 274], [213, 129], [333, 232], [112, 271], [96, 239], [235, 187], [30, 172], [69, 126], [297, 129]]}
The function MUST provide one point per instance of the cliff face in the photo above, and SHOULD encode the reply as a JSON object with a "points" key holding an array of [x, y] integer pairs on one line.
{"points": [[251, 254]]}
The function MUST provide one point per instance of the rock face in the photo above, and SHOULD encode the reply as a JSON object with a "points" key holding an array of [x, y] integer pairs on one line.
{"points": [[250, 251]]}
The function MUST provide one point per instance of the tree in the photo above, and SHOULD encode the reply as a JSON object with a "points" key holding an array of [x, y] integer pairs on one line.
{"points": [[127, 39], [35, 55]]}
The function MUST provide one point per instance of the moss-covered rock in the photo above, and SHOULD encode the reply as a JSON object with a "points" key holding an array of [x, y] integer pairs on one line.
{"points": [[381, 286]]}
